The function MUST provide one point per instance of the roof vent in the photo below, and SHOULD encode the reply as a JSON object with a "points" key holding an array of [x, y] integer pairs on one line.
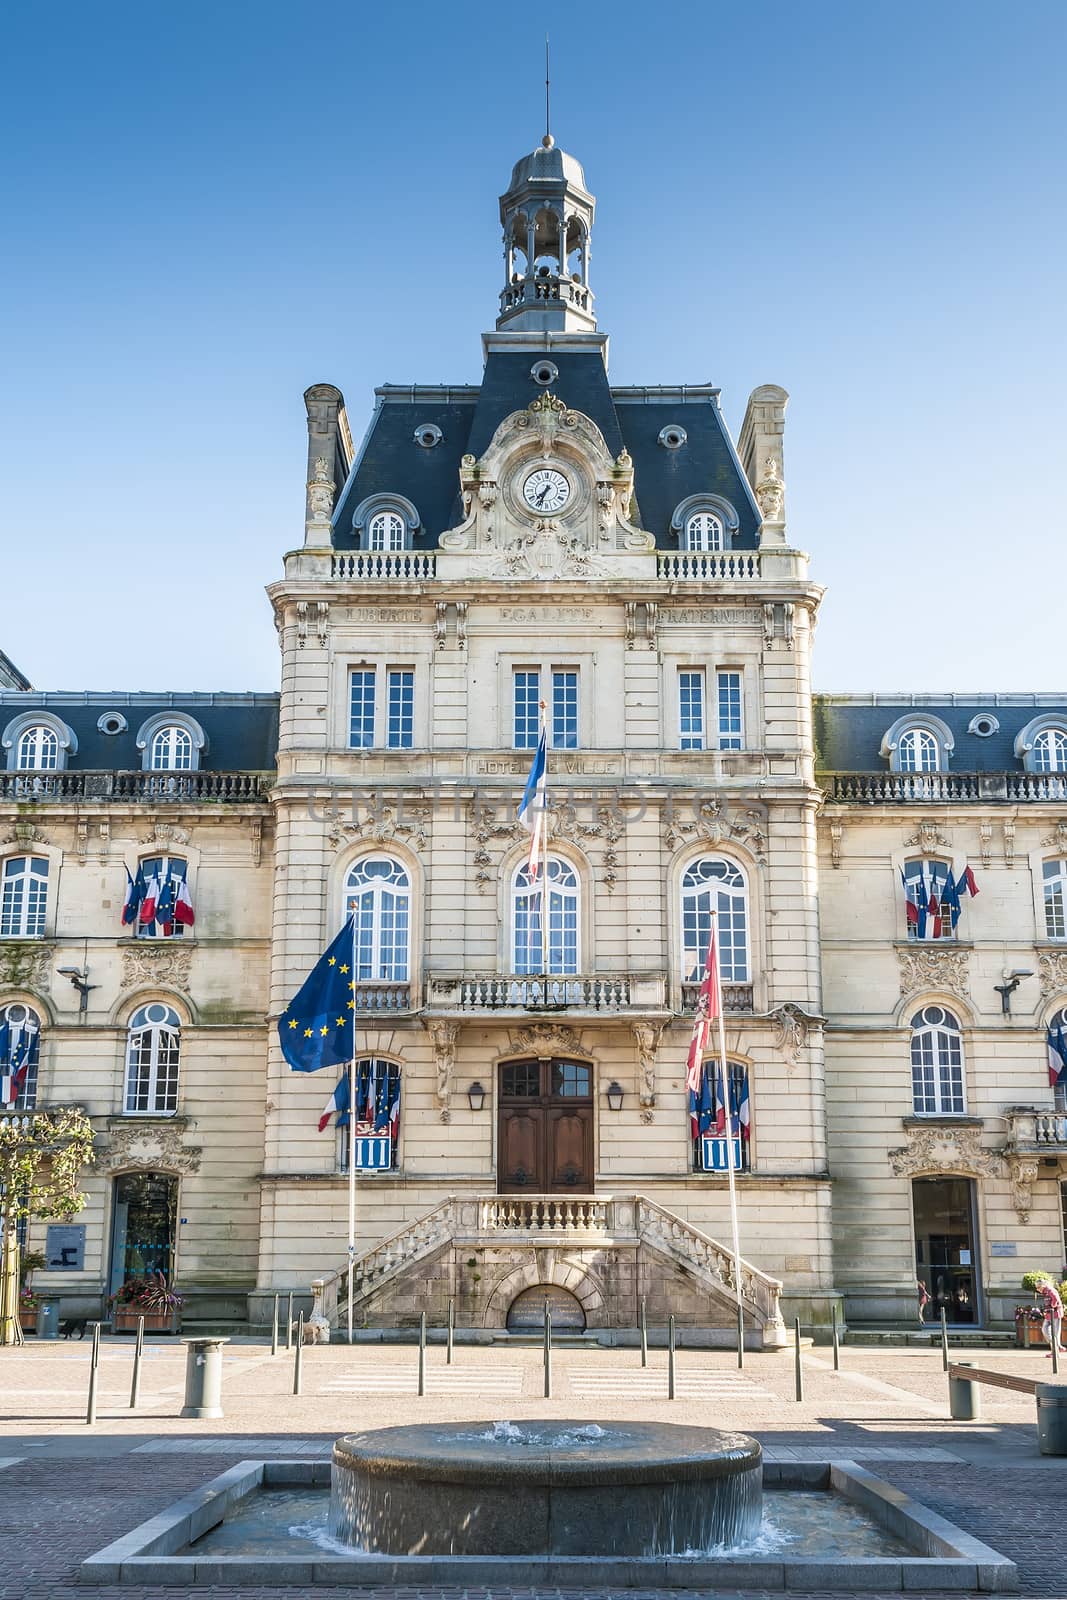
{"points": [[112, 722], [673, 437], [983, 726], [427, 434], [544, 373]]}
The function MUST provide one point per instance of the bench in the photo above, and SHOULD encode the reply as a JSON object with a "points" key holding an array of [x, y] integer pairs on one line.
{"points": [[963, 1372], [963, 1381]]}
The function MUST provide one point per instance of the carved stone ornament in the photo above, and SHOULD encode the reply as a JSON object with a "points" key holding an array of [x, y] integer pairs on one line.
{"points": [[494, 832], [25, 833], [1022, 1171], [707, 818], [444, 1036], [383, 823], [646, 1038], [945, 1149], [24, 964], [1057, 839], [985, 842], [548, 1039], [934, 969], [770, 492], [156, 963], [792, 1027], [320, 492], [928, 836], [1052, 971], [165, 833], [148, 1145], [1009, 841], [836, 831]]}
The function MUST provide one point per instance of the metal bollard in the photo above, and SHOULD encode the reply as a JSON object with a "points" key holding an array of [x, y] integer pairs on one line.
{"points": [[1051, 1419], [548, 1352], [289, 1323], [203, 1377], [138, 1348], [798, 1369], [94, 1364], [299, 1353], [451, 1331], [835, 1338], [422, 1352], [944, 1341], [963, 1403], [274, 1330], [644, 1334], [670, 1358], [740, 1338], [1055, 1348]]}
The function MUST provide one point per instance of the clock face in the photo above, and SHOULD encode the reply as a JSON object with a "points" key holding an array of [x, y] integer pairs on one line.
{"points": [[546, 490]]}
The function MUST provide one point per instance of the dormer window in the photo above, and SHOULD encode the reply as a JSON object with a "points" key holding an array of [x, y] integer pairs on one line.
{"points": [[704, 522], [1042, 745], [704, 531], [171, 742], [918, 743], [385, 531], [37, 741], [917, 751], [385, 522]]}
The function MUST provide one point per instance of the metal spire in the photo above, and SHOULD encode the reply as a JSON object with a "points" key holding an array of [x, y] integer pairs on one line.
{"points": [[548, 140]]}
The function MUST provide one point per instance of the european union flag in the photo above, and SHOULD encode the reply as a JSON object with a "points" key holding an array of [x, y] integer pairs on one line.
{"points": [[317, 1028]]}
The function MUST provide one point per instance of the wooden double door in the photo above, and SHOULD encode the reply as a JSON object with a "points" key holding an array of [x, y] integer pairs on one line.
{"points": [[545, 1143]]}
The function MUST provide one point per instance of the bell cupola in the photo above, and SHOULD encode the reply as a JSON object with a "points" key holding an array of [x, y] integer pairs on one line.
{"points": [[547, 216]]}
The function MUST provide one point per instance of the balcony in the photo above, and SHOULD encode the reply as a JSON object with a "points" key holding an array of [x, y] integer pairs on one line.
{"points": [[480, 993], [380, 997], [700, 566], [391, 566], [906, 788], [146, 788], [1032, 1132], [736, 998], [420, 566]]}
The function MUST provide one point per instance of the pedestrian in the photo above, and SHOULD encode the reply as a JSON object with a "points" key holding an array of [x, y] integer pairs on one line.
{"points": [[1053, 1320], [924, 1300]]}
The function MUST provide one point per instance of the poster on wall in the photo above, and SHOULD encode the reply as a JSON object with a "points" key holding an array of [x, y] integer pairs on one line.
{"points": [[65, 1247]]}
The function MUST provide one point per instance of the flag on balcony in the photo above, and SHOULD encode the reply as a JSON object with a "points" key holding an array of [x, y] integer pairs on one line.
{"points": [[950, 903], [915, 902], [533, 803], [701, 1107], [965, 883], [707, 1011], [165, 906], [339, 1103], [149, 901], [1057, 1055], [317, 1027], [19, 1044], [135, 892]]}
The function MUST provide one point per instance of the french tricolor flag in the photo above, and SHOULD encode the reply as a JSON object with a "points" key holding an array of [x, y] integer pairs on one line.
{"points": [[338, 1102], [150, 901], [1057, 1055], [135, 888], [183, 905], [965, 883], [533, 803]]}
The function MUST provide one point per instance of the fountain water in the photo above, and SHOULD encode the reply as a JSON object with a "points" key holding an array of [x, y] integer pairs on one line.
{"points": [[559, 1488]]}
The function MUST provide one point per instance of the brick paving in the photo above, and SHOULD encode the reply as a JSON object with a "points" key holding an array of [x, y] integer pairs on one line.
{"points": [[68, 1489]]}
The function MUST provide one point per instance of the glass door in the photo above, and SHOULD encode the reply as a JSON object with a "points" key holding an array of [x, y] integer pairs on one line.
{"points": [[144, 1213], [946, 1259]]}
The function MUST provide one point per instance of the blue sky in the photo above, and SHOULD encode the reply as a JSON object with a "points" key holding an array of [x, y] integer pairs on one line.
{"points": [[211, 206]]}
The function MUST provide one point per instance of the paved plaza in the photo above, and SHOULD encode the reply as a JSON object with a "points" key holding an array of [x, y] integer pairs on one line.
{"points": [[69, 1489]]}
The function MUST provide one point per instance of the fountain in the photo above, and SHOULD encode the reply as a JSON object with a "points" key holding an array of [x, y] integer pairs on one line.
{"points": [[559, 1488]]}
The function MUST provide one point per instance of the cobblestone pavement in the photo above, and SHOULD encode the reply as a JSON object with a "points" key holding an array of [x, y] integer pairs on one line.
{"points": [[69, 1489]]}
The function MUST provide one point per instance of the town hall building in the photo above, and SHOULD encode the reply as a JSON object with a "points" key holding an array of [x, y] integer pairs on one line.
{"points": [[889, 873]]}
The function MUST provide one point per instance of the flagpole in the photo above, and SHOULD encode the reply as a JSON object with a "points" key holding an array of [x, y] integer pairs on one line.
{"points": [[544, 856], [352, 1145], [724, 1078]]}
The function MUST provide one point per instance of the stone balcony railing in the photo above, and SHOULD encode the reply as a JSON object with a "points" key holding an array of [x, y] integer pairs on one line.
{"points": [[382, 996], [405, 566], [420, 566], [872, 788], [736, 997], [1030, 1131], [233, 788], [551, 287], [487, 992], [702, 565]]}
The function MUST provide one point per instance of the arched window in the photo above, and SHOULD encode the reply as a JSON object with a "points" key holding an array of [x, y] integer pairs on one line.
{"points": [[1054, 888], [528, 945], [377, 1121], [385, 531], [712, 883], [707, 1116], [703, 531], [918, 751], [936, 1062], [378, 891], [172, 749], [152, 1055], [38, 749], [929, 912], [24, 897], [1050, 751], [20, 1044]]}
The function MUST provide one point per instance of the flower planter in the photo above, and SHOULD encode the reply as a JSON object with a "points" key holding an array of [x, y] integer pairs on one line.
{"points": [[1028, 1329], [124, 1320], [28, 1321]]}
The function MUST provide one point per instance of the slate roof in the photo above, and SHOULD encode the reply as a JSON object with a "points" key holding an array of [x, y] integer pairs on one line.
{"points": [[390, 461], [10, 676], [241, 729], [849, 728]]}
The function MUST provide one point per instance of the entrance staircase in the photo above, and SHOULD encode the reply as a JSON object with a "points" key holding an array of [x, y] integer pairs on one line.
{"points": [[576, 1223]]}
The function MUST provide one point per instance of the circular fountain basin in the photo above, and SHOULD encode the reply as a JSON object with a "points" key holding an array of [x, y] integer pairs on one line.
{"points": [[555, 1488]]}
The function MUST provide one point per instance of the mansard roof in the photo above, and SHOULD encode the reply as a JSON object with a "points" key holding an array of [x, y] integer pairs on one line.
{"points": [[391, 461], [849, 728], [241, 729]]}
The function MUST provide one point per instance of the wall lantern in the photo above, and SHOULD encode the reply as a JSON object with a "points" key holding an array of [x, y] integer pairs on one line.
{"points": [[615, 1094], [476, 1096]]}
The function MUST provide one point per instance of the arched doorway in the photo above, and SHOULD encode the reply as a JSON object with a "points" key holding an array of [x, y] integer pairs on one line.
{"points": [[144, 1214], [526, 1314], [545, 1143]]}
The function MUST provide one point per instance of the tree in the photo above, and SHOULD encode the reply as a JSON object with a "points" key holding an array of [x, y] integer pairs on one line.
{"points": [[42, 1154]]}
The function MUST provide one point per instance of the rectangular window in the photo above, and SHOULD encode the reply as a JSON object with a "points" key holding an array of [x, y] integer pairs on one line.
{"points": [[691, 709], [527, 683], [1054, 875], [929, 916], [361, 726], [710, 1153], [24, 897], [564, 709], [731, 736], [166, 873], [401, 711]]}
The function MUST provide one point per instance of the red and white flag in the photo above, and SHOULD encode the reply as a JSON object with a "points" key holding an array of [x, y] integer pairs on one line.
{"points": [[150, 901], [707, 1012], [183, 905]]}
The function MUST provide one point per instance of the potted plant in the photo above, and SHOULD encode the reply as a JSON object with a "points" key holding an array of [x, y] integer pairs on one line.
{"points": [[28, 1304], [1028, 1318], [147, 1297]]}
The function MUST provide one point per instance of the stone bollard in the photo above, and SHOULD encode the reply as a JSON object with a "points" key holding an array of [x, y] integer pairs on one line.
{"points": [[203, 1377], [1051, 1418], [963, 1405]]}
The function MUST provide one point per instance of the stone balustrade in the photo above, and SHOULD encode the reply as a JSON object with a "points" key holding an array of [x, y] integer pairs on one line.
{"points": [[871, 788], [702, 565], [1030, 1130], [382, 996], [545, 1213], [232, 788], [487, 992], [405, 566], [736, 997]]}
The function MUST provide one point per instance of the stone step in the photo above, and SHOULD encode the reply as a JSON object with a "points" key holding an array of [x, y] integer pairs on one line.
{"points": [[959, 1339]]}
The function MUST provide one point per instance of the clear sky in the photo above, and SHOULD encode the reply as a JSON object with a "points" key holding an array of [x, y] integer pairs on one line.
{"points": [[210, 206]]}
